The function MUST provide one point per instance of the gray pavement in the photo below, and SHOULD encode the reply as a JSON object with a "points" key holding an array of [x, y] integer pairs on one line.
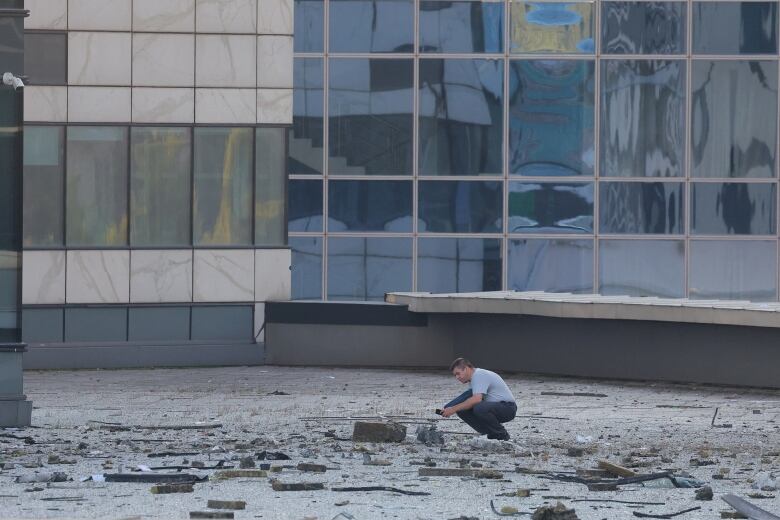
{"points": [[304, 413]]}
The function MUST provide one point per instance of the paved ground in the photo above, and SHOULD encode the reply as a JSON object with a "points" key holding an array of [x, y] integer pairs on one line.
{"points": [[648, 427]]}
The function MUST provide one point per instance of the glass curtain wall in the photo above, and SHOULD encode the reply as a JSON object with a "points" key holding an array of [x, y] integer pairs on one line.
{"points": [[618, 147]]}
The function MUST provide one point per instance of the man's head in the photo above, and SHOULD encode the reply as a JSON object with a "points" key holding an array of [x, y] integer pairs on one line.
{"points": [[462, 369]]}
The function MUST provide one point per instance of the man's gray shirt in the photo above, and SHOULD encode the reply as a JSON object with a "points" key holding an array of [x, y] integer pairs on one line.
{"points": [[491, 386]]}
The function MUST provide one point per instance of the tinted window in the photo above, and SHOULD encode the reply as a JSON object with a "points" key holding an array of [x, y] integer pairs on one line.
{"points": [[370, 206], [367, 268], [460, 206], [733, 209], [461, 26], [550, 208], [733, 270], [45, 60], [446, 265], [371, 26], [305, 205], [641, 207], [734, 27], [643, 27], [550, 265], [270, 176], [642, 267], [44, 177], [552, 27]]}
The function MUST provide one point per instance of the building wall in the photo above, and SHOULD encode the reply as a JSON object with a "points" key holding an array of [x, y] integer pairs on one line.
{"points": [[155, 184]]}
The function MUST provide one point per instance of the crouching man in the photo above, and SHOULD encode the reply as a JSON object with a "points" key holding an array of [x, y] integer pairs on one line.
{"points": [[489, 404]]}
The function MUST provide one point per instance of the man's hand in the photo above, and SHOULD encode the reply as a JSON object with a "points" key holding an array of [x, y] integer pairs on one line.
{"points": [[447, 412]]}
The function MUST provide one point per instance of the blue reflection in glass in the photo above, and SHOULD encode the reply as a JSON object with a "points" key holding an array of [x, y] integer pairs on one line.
{"points": [[551, 117], [550, 208], [306, 135], [306, 268], [641, 207], [367, 268], [309, 17], [460, 206], [461, 117], [642, 267], [461, 26], [304, 205], [550, 265], [734, 27], [370, 206], [643, 27], [371, 26], [733, 270], [733, 209], [447, 265]]}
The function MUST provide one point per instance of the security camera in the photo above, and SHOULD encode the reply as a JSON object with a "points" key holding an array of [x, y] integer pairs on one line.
{"points": [[12, 81]]}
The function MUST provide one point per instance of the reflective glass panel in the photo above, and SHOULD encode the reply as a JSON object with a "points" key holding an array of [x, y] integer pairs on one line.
{"points": [[642, 118], [733, 270], [547, 207], [460, 206], [546, 27], [309, 17], [304, 199], [42, 325], [550, 265], [306, 268], [269, 186], [733, 209], [551, 117], [9, 296], [370, 206], [461, 123], [158, 324], [11, 157], [367, 268], [96, 207], [641, 207], [160, 186], [223, 186], [461, 26], [370, 116], [12, 44], [371, 26], [643, 27], [44, 180], [45, 62], [99, 324], [642, 267], [222, 323], [306, 135], [447, 265], [734, 126], [734, 27]]}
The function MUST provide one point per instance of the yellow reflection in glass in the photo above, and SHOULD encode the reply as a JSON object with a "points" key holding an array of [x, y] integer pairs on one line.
{"points": [[552, 27]]}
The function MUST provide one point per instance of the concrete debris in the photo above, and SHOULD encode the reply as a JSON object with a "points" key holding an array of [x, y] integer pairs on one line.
{"points": [[272, 455], [211, 514], [429, 436], [149, 478], [460, 472], [732, 514], [296, 486], [239, 473], [57, 476], [226, 504], [575, 452], [616, 470], [164, 489], [313, 468], [557, 512], [381, 488], [765, 482], [246, 463], [378, 432], [704, 493]]}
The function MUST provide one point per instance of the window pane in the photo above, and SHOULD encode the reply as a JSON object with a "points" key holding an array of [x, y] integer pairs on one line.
{"points": [[223, 186], [371, 26], [552, 27], [306, 268], [641, 207], [222, 323], [551, 117], [12, 44], [9, 293], [461, 122], [159, 324], [42, 325], [370, 120], [306, 135], [96, 207], [370, 206], [550, 208], [11, 141], [45, 62], [160, 186], [734, 124], [734, 27], [733, 209], [643, 27], [309, 17], [367, 268], [101, 324], [461, 26], [304, 206], [550, 265], [448, 265], [642, 118], [44, 178], [642, 267], [460, 206], [269, 186], [733, 270]]}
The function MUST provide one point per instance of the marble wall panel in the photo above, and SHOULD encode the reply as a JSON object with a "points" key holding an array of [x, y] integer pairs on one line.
{"points": [[274, 106], [275, 17], [46, 14], [45, 104], [97, 276], [102, 15], [214, 105], [223, 275], [43, 277], [160, 276], [163, 105], [164, 15], [272, 274], [274, 61], [99, 104], [163, 60], [227, 16], [225, 60], [96, 58]]}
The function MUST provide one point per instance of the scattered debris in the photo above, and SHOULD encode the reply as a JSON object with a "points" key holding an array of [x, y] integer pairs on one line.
{"points": [[619, 471], [378, 432], [669, 515], [226, 504], [164, 489], [277, 392], [208, 426], [296, 486], [368, 460], [314, 468], [574, 394], [460, 472], [381, 488], [575, 452], [503, 511], [272, 455], [749, 510], [211, 514], [429, 436], [704, 493], [246, 463], [557, 512], [161, 454], [149, 478], [520, 493], [239, 473], [57, 476]]}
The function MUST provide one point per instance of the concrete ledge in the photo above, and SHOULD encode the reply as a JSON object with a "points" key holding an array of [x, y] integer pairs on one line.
{"points": [[127, 355]]}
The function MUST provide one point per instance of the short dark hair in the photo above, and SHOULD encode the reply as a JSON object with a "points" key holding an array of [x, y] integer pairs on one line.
{"points": [[460, 363]]}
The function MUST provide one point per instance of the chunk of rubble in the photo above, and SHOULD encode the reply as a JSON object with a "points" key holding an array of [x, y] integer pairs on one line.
{"points": [[226, 504], [704, 493], [378, 432], [429, 436], [557, 512]]}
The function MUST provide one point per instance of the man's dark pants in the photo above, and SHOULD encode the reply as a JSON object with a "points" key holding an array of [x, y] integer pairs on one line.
{"points": [[486, 417]]}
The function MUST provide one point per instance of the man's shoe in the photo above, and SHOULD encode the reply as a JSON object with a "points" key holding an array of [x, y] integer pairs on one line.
{"points": [[499, 436]]}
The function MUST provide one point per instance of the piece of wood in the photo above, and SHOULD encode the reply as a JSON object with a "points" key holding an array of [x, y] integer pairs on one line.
{"points": [[575, 394], [164, 489], [460, 472], [211, 514], [668, 515], [296, 486], [239, 473], [620, 471], [748, 509], [381, 488], [226, 504]]}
